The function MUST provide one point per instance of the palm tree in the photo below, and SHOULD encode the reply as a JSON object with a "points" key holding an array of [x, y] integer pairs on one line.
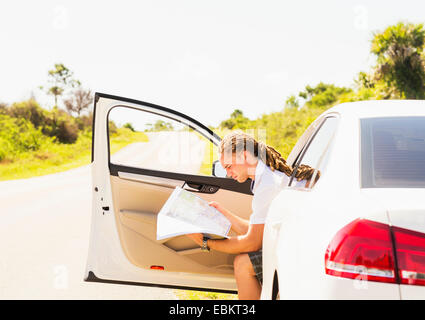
{"points": [[400, 61]]}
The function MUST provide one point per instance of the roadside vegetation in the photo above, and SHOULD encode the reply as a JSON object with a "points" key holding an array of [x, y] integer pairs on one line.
{"points": [[36, 141]]}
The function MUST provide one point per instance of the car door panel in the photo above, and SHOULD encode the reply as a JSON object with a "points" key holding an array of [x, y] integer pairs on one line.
{"points": [[126, 200], [136, 205]]}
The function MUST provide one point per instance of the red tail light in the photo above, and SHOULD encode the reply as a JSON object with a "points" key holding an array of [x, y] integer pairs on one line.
{"points": [[364, 250], [410, 248]]}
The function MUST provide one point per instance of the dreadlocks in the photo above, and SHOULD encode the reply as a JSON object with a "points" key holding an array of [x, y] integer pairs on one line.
{"points": [[238, 141]]}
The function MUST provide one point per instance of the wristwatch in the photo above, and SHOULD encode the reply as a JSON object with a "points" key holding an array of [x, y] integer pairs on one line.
{"points": [[204, 246]]}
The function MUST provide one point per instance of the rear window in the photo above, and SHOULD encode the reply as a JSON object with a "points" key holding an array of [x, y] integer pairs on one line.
{"points": [[393, 152]]}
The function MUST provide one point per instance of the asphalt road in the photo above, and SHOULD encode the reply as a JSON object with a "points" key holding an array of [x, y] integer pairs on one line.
{"points": [[44, 236]]}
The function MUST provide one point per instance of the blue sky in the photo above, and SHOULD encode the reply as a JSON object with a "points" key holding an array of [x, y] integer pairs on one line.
{"points": [[203, 58]]}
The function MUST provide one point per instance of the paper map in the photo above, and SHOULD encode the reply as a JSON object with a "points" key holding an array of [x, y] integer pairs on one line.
{"points": [[185, 212]]}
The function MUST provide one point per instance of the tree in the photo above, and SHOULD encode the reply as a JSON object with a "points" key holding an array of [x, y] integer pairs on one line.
{"points": [[79, 100], [323, 95], [60, 78], [236, 121], [400, 68], [292, 102], [364, 80], [128, 125], [236, 114]]}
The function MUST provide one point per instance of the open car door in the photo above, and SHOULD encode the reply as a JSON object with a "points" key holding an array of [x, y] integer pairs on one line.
{"points": [[140, 153]]}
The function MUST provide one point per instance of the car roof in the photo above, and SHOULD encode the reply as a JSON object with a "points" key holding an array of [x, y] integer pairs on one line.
{"points": [[380, 108]]}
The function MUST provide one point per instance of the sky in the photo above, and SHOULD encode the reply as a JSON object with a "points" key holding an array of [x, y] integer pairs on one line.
{"points": [[202, 58]]}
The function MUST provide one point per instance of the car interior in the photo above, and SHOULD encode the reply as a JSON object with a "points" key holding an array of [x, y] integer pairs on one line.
{"points": [[137, 203]]}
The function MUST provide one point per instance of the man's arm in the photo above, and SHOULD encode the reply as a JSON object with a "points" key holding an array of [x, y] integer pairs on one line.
{"points": [[251, 241], [239, 225]]}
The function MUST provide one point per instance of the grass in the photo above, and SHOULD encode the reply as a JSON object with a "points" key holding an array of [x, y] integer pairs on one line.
{"points": [[55, 157], [202, 295]]}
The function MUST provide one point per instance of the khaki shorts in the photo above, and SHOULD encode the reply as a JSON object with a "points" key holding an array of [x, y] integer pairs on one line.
{"points": [[256, 258]]}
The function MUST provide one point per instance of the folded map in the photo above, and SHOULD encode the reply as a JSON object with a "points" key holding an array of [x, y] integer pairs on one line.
{"points": [[184, 212]]}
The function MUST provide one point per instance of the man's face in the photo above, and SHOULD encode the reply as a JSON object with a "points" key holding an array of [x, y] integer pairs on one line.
{"points": [[236, 167]]}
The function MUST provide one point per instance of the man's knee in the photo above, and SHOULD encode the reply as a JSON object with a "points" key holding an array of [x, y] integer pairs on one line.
{"points": [[242, 263]]}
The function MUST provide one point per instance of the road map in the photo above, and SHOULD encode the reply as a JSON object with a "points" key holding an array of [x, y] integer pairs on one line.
{"points": [[184, 212]]}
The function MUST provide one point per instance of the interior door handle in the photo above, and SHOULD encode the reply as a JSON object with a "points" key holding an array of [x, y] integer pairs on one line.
{"points": [[203, 188], [193, 186]]}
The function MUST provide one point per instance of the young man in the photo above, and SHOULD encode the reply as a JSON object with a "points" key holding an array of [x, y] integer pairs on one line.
{"points": [[245, 158]]}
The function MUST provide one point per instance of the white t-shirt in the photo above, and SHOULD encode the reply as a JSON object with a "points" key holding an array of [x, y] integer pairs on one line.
{"points": [[265, 187]]}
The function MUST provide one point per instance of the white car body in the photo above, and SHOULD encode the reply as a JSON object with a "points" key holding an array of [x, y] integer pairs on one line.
{"points": [[302, 222]]}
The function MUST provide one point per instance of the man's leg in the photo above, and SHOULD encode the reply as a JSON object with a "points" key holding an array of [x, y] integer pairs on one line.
{"points": [[248, 286]]}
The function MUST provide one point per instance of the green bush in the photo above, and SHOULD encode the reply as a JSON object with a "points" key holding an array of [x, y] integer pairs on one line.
{"points": [[18, 136], [55, 123], [29, 110], [128, 125], [3, 108], [84, 122], [61, 126]]}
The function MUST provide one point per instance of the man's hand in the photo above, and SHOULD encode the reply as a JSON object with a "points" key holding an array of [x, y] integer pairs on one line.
{"points": [[197, 237], [216, 205], [239, 225]]}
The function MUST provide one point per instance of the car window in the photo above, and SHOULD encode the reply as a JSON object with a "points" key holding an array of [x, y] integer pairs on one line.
{"points": [[315, 154], [146, 140], [393, 152], [299, 147]]}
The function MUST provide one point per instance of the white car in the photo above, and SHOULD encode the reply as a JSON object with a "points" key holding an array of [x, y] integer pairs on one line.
{"points": [[306, 227], [359, 232]]}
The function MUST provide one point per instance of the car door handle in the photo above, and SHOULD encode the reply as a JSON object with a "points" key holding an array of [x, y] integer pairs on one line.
{"points": [[203, 188], [193, 186]]}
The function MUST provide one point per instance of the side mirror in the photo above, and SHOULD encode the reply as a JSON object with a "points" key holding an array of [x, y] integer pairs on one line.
{"points": [[218, 170]]}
